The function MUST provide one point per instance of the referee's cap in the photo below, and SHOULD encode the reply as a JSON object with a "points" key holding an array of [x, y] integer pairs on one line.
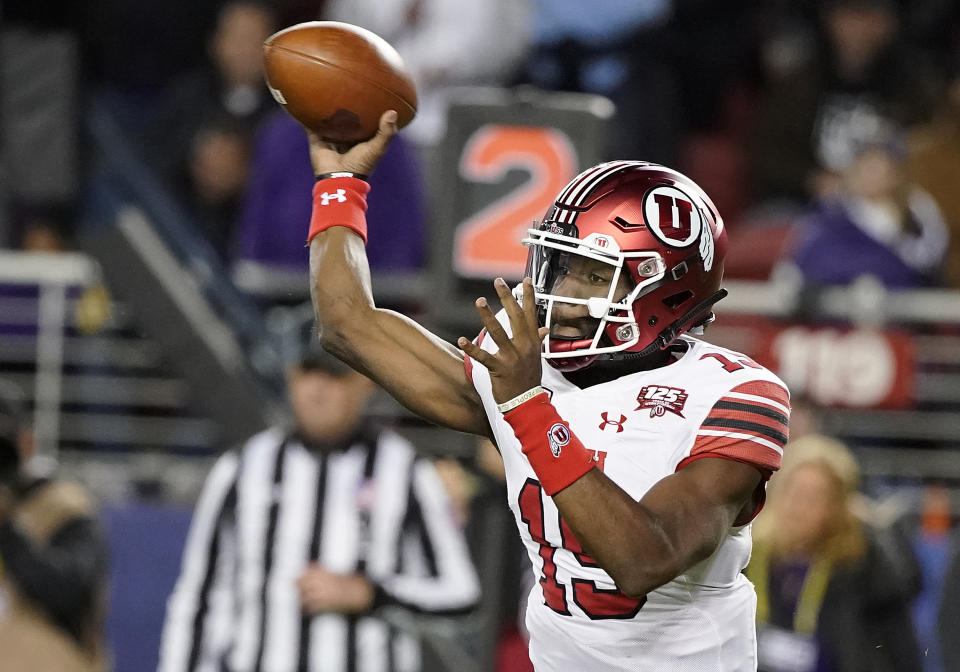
{"points": [[300, 343], [306, 353], [316, 358]]}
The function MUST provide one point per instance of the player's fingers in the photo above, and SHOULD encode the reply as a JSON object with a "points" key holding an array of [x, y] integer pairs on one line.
{"points": [[476, 352], [324, 156], [530, 305], [542, 333], [509, 303], [492, 325]]}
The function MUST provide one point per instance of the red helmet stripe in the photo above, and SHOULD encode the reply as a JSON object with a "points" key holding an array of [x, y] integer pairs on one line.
{"points": [[571, 191], [580, 192], [572, 184]]}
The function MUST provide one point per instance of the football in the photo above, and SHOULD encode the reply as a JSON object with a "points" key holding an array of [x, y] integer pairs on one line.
{"points": [[337, 79]]}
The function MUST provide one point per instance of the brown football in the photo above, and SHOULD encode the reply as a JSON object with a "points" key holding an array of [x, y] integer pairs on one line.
{"points": [[337, 79]]}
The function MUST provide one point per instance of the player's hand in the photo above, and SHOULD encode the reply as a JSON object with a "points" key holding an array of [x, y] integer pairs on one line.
{"points": [[516, 367], [324, 591], [360, 158]]}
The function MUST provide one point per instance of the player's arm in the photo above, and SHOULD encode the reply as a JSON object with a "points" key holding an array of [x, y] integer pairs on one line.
{"points": [[679, 522], [423, 372]]}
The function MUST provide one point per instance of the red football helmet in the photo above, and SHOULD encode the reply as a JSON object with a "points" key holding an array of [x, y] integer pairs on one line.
{"points": [[645, 220]]}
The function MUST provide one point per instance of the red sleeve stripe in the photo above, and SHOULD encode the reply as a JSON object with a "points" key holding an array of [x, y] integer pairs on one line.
{"points": [[777, 437], [752, 413], [762, 388], [743, 448], [711, 439], [749, 424], [754, 399], [746, 409]]}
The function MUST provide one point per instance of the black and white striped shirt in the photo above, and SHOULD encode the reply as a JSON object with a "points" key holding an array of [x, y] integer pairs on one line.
{"points": [[272, 507]]}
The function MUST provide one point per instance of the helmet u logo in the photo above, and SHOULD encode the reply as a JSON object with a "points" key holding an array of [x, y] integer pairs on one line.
{"points": [[676, 216]]}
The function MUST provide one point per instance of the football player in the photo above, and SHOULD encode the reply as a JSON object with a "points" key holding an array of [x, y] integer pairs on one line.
{"points": [[636, 455]]}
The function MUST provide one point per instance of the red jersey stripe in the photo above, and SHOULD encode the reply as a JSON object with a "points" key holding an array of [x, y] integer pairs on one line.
{"points": [[758, 451], [763, 388], [757, 415]]}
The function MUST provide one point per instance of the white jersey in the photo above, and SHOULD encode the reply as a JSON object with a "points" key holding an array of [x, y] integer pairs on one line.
{"points": [[643, 427]]}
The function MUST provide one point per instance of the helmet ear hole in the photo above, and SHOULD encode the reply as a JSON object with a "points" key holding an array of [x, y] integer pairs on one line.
{"points": [[674, 301]]}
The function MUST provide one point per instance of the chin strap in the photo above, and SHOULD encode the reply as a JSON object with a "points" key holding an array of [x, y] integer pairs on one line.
{"points": [[674, 329]]}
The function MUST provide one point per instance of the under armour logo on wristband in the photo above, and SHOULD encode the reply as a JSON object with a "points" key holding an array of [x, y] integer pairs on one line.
{"points": [[340, 196], [558, 436]]}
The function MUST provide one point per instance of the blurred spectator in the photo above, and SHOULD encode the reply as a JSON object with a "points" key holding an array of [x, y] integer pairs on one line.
{"points": [[300, 536], [950, 613], [833, 592], [878, 224], [933, 546], [218, 164], [934, 164], [230, 85], [610, 49], [819, 96], [42, 229], [53, 561], [444, 43], [274, 217]]}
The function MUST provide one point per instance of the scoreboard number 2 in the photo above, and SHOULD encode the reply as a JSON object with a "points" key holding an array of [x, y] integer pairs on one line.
{"points": [[488, 243]]}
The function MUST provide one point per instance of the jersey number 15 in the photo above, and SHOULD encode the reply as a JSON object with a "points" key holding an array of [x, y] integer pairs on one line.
{"points": [[596, 603]]}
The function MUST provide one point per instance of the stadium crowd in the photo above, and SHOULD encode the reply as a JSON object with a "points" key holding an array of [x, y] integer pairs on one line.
{"points": [[819, 124]]}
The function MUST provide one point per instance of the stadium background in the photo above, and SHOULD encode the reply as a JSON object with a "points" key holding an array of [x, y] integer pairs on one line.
{"points": [[129, 303]]}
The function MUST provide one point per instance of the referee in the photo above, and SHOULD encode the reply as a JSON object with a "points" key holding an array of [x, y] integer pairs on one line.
{"points": [[300, 536]]}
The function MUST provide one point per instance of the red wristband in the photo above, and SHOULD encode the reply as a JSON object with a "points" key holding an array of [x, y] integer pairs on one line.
{"points": [[339, 201], [555, 453]]}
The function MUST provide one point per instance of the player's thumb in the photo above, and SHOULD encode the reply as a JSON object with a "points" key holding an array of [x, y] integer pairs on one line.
{"points": [[385, 132], [387, 128], [364, 157]]}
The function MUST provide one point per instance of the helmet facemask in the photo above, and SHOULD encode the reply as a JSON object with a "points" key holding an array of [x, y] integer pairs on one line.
{"points": [[555, 251]]}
